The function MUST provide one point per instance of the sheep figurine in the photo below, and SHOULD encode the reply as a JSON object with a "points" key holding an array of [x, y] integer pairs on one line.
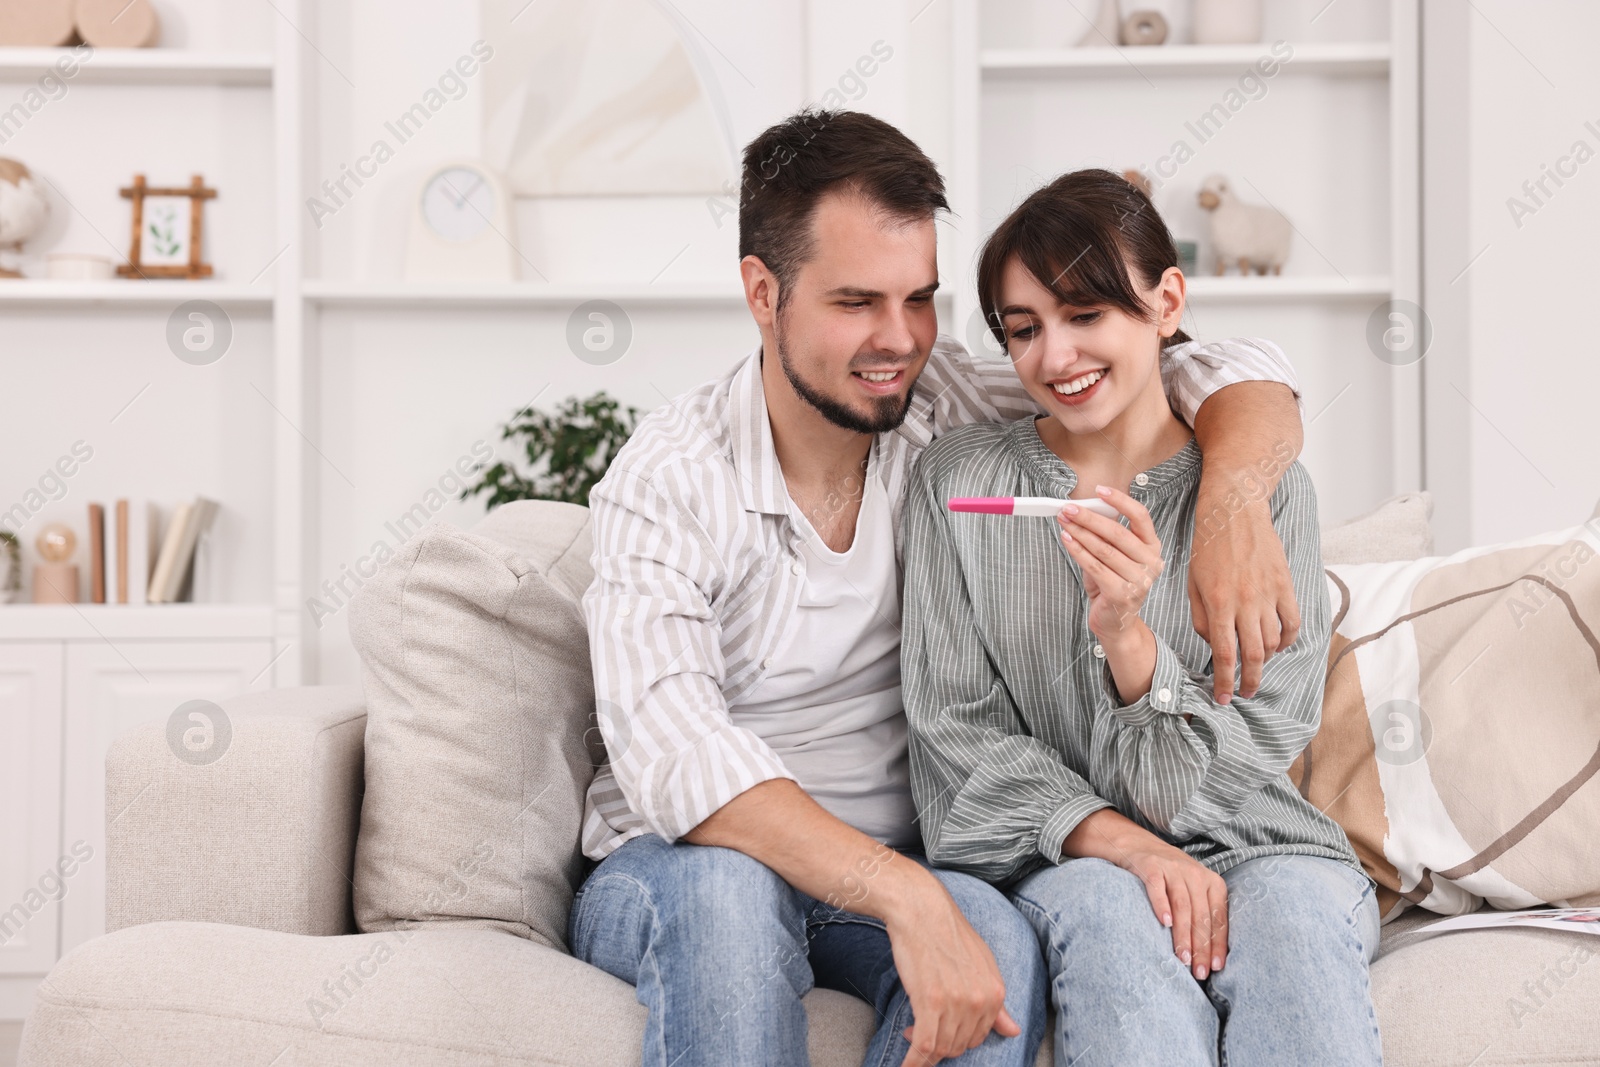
{"points": [[1248, 235]]}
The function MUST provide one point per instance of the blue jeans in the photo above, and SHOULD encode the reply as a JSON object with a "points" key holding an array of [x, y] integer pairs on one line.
{"points": [[721, 950], [1294, 990]]}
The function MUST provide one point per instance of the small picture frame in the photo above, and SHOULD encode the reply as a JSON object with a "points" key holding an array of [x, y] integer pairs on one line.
{"points": [[168, 230]]}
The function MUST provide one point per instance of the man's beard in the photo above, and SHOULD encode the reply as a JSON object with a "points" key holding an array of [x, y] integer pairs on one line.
{"points": [[888, 412]]}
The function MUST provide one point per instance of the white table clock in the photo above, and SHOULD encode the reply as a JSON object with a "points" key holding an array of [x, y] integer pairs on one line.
{"points": [[461, 227]]}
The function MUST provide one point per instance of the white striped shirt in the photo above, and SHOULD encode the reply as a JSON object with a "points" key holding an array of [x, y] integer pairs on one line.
{"points": [[698, 568]]}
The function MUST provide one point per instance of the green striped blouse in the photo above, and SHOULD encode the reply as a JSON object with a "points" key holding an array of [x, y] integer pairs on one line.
{"points": [[1016, 728]]}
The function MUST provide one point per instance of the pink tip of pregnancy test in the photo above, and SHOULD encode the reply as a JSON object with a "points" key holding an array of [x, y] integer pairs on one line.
{"points": [[983, 505]]}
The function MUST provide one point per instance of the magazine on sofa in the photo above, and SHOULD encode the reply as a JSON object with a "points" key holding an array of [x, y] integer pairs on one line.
{"points": [[1578, 920]]}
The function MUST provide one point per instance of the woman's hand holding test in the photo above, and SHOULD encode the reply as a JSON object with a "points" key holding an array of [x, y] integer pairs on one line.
{"points": [[1119, 565]]}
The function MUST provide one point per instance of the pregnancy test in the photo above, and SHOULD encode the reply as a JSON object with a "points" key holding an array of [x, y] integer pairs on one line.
{"points": [[1043, 506]]}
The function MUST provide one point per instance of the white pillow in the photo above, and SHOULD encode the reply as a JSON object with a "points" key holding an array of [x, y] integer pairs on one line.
{"points": [[1396, 529], [1460, 738]]}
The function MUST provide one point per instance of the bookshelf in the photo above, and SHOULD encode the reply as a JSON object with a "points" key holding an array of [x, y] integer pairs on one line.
{"points": [[331, 347], [1331, 139], [89, 361]]}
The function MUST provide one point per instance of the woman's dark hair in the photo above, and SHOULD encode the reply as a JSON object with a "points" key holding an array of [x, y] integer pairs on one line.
{"points": [[790, 166], [1077, 236]]}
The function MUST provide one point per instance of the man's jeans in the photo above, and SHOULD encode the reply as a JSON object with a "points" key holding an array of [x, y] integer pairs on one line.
{"points": [[721, 950], [1294, 990]]}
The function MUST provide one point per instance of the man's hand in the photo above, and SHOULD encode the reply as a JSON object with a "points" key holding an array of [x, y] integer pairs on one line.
{"points": [[1240, 591], [956, 992], [1241, 595]]}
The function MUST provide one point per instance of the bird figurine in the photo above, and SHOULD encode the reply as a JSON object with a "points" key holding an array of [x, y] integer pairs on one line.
{"points": [[24, 209], [1244, 235]]}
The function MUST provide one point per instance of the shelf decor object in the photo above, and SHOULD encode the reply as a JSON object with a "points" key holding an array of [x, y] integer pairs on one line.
{"points": [[1105, 28], [461, 227], [78, 267], [1249, 236], [1144, 29], [55, 576], [10, 566], [24, 209], [35, 23], [118, 23], [167, 239]]}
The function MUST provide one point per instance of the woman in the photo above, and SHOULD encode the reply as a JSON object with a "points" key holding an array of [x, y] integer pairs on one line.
{"points": [[1065, 743]]}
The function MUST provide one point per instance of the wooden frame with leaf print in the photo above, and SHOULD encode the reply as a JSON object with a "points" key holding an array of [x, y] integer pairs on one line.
{"points": [[167, 233]]}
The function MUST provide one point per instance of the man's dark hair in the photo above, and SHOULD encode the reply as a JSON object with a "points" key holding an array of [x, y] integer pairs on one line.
{"points": [[791, 165]]}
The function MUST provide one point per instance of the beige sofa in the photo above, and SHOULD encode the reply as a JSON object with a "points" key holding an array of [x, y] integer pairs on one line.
{"points": [[234, 939]]}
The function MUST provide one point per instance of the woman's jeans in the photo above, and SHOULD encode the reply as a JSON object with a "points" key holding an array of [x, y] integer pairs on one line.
{"points": [[721, 950], [1293, 990]]}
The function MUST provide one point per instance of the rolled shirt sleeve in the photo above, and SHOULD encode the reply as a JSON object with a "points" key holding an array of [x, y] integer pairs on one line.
{"points": [[993, 800], [656, 649], [1188, 778], [1192, 371]]}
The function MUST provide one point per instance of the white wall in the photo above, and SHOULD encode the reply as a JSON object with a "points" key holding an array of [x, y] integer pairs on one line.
{"points": [[1511, 380]]}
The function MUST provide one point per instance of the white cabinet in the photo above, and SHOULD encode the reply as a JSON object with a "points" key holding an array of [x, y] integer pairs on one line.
{"points": [[30, 800], [73, 679]]}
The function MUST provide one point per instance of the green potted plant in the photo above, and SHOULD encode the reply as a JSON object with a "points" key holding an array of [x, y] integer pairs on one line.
{"points": [[10, 566], [567, 452]]}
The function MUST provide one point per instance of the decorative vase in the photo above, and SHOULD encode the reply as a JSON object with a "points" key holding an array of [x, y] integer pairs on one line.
{"points": [[1227, 21], [1144, 28], [1106, 27]]}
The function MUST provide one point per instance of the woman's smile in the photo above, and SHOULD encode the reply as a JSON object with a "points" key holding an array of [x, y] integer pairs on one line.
{"points": [[1080, 389]]}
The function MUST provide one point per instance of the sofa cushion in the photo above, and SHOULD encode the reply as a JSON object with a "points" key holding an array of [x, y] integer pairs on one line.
{"points": [[187, 994], [1460, 737], [1396, 529], [1486, 997], [475, 662]]}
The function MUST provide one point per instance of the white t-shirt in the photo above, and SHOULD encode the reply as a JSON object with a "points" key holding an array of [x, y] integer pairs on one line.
{"points": [[829, 704]]}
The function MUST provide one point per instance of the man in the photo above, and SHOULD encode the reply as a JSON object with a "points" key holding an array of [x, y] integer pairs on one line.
{"points": [[754, 824]]}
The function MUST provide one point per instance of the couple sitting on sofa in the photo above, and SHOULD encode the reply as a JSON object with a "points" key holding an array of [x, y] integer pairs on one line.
{"points": [[950, 763]]}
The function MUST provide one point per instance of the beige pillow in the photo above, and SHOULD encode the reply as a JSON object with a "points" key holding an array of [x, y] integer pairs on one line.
{"points": [[1396, 529], [1460, 737], [475, 661]]}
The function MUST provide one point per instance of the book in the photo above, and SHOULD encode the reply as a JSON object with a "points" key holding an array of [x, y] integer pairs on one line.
{"points": [[201, 514], [1572, 920], [117, 587], [143, 537], [97, 554], [189, 521], [168, 556]]}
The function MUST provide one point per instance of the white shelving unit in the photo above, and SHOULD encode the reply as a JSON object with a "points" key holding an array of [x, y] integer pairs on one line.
{"points": [[162, 295], [1027, 107], [74, 677], [336, 294], [1358, 57], [278, 284], [155, 66], [1281, 289]]}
